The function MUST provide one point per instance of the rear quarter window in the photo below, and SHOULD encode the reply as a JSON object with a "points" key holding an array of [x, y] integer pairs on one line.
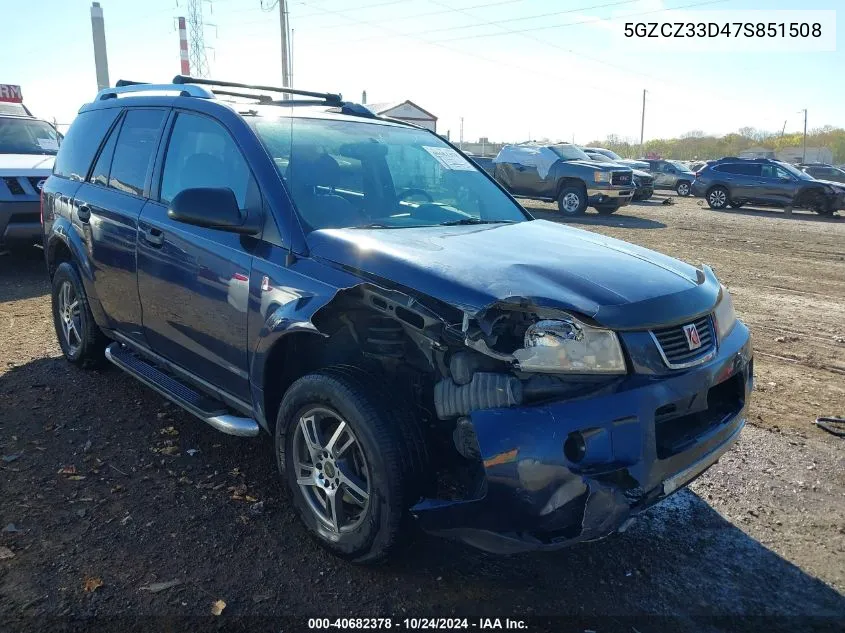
{"points": [[82, 141]]}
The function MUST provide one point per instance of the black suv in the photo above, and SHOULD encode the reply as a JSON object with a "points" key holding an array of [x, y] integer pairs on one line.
{"points": [[411, 340], [823, 171], [737, 181]]}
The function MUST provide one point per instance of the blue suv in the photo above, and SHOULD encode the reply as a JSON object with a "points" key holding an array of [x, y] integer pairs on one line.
{"points": [[415, 344]]}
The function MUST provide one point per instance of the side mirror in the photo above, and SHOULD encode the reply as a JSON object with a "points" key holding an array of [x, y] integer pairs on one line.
{"points": [[211, 207]]}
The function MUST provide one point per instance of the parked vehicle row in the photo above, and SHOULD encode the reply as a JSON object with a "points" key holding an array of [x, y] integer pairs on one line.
{"points": [[735, 182], [412, 341]]}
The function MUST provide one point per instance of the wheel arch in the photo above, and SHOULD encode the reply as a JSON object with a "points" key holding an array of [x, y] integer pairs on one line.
{"points": [[569, 181]]}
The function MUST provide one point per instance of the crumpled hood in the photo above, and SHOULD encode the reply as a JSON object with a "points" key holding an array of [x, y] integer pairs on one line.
{"points": [[620, 285], [26, 164]]}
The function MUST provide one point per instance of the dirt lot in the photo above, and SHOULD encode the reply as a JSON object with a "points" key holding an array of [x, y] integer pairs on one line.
{"points": [[103, 481]]}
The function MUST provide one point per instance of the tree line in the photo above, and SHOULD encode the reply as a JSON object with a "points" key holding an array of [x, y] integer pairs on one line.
{"points": [[698, 145]]}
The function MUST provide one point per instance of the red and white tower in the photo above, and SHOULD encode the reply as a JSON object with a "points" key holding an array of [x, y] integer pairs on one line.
{"points": [[183, 47]]}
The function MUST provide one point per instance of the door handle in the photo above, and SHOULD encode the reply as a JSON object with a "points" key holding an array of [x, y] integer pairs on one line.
{"points": [[83, 212], [154, 236]]}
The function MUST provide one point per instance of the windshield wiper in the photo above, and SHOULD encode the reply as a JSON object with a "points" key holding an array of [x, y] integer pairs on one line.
{"points": [[463, 221]]}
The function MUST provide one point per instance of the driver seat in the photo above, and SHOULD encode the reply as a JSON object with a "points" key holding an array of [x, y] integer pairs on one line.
{"points": [[312, 185]]}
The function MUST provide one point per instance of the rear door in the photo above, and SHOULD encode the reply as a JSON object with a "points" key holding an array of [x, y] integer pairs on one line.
{"points": [[106, 210], [520, 174], [194, 281]]}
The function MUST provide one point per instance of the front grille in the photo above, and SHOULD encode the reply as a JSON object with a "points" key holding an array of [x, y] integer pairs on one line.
{"points": [[678, 426], [645, 181], [34, 180], [14, 186], [673, 343], [620, 178]]}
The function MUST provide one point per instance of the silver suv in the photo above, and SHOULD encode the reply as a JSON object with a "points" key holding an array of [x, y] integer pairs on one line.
{"points": [[671, 174]]}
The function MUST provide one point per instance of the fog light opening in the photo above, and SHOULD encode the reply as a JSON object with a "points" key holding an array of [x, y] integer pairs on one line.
{"points": [[466, 442], [574, 448]]}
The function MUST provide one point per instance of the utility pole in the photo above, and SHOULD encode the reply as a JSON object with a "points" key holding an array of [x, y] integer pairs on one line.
{"points": [[804, 152], [642, 124], [462, 134], [283, 27], [101, 62], [783, 129]]}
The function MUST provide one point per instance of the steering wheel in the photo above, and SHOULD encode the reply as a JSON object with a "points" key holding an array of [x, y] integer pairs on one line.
{"points": [[414, 192]]}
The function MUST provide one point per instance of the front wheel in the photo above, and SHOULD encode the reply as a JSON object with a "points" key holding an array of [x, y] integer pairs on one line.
{"points": [[717, 198], [81, 340], [683, 188], [351, 459], [572, 201]]}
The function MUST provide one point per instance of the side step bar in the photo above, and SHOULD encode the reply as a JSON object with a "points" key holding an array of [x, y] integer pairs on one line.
{"points": [[207, 409]]}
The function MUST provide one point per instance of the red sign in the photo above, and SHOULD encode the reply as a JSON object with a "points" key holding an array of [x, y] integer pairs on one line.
{"points": [[10, 93]]}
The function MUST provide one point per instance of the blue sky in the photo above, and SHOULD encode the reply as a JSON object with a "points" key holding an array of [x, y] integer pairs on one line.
{"points": [[509, 74]]}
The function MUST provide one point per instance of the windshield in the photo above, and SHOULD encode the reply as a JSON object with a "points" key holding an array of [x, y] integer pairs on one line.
{"points": [[344, 174], [678, 165], [601, 158], [569, 152], [606, 152], [796, 172], [25, 136]]}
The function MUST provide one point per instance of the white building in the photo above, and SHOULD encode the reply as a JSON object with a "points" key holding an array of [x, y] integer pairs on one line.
{"points": [[406, 111]]}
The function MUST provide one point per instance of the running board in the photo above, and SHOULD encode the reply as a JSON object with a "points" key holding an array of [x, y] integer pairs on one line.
{"points": [[205, 408]]}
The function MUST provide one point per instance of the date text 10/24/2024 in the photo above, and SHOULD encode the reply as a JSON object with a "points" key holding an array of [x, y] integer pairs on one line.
{"points": [[435, 624]]}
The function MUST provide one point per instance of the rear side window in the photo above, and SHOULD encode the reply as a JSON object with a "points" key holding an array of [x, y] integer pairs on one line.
{"points": [[79, 146], [201, 153], [134, 151], [100, 173], [742, 169]]}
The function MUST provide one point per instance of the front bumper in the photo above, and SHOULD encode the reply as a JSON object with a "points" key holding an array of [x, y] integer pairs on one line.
{"points": [[20, 222], [698, 189], [534, 498], [610, 194]]}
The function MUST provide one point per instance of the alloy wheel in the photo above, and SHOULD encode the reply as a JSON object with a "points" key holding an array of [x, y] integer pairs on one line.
{"points": [[683, 189], [70, 317], [331, 469], [717, 198]]}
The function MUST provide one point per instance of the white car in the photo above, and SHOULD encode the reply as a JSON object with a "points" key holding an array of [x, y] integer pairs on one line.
{"points": [[28, 147]]}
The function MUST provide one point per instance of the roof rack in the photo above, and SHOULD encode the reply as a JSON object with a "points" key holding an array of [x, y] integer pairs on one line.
{"points": [[327, 97], [125, 86]]}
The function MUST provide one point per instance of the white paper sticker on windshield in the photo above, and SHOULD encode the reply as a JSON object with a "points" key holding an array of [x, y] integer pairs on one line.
{"points": [[48, 143], [449, 158]]}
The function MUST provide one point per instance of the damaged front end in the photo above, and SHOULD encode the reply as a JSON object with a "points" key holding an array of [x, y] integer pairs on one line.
{"points": [[558, 440]]}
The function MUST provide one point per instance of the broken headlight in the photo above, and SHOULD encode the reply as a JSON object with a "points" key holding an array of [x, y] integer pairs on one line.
{"points": [[569, 346], [724, 314]]}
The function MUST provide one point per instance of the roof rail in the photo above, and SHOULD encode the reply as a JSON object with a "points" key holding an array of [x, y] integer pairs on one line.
{"points": [[125, 86], [328, 97]]}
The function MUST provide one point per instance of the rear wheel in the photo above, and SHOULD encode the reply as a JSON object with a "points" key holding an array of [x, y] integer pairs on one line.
{"points": [[572, 200], [81, 340], [353, 461], [683, 188], [717, 197]]}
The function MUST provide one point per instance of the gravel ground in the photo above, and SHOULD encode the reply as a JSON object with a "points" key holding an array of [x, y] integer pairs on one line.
{"points": [[105, 482]]}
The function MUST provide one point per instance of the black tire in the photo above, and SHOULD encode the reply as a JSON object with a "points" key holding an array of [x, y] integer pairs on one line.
{"points": [[566, 200], [683, 188], [821, 205], [86, 347], [737, 205], [607, 209], [395, 458], [717, 197]]}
